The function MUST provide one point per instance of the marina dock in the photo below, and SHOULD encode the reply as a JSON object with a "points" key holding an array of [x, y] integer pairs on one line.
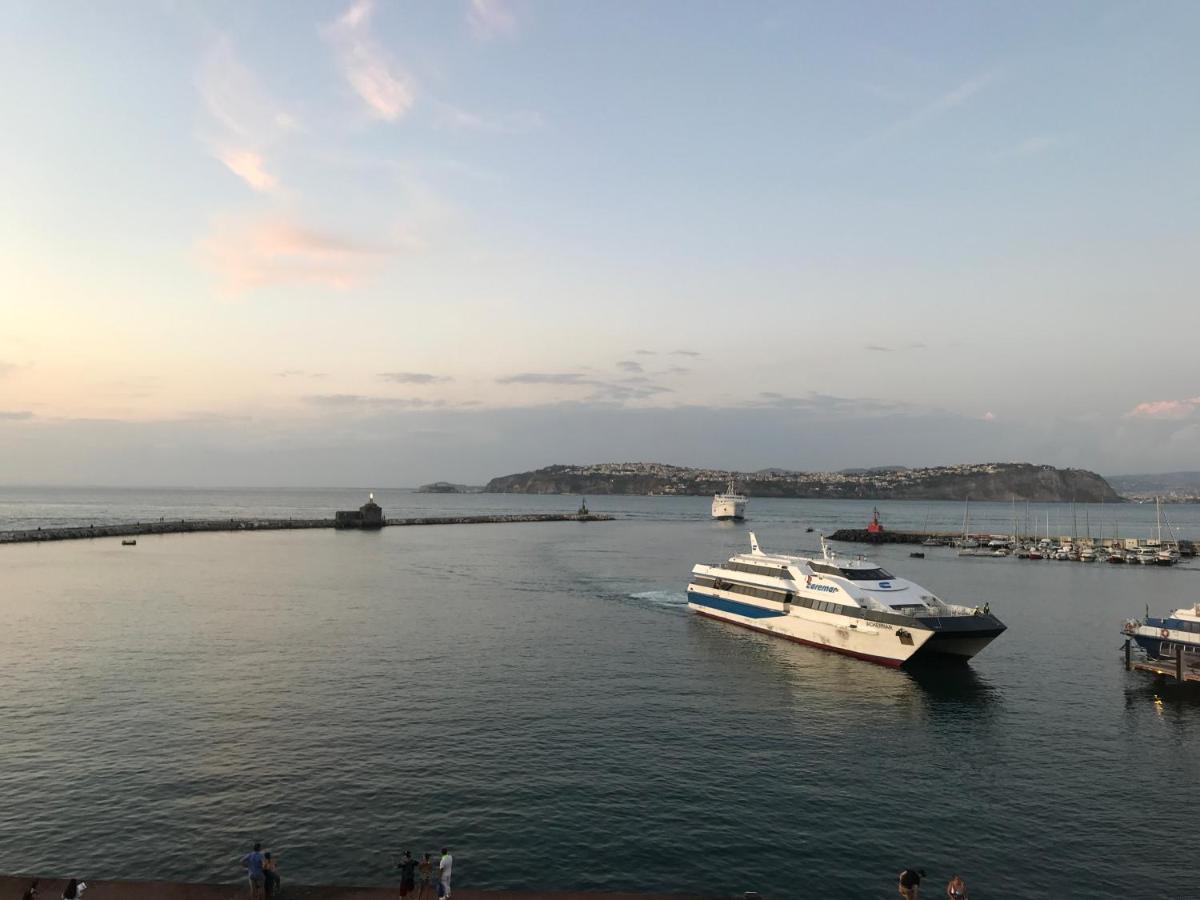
{"points": [[186, 526], [49, 888], [1174, 669]]}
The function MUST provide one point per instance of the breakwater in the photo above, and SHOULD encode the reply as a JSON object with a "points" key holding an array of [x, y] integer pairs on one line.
{"points": [[863, 536], [12, 886], [185, 526]]}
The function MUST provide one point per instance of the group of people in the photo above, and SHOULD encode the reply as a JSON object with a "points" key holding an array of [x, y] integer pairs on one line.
{"points": [[73, 890], [263, 873], [910, 885], [421, 877]]}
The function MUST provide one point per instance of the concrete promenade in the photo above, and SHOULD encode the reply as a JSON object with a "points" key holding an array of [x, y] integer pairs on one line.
{"points": [[52, 888], [184, 526]]}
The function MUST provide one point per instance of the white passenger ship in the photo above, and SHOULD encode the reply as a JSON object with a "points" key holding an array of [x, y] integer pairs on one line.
{"points": [[850, 606], [729, 505]]}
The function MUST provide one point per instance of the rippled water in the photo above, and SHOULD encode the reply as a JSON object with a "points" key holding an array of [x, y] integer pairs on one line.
{"points": [[539, 697]]}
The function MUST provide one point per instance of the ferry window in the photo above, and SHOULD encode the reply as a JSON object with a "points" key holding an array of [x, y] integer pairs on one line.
{"points": [[867, 574]]}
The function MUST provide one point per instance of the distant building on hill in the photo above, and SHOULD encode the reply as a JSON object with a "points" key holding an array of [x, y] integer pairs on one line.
{"points": [[369, 515]]}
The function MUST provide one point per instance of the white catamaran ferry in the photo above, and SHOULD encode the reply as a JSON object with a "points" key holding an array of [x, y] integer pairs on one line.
{"points": [[850, 606]]}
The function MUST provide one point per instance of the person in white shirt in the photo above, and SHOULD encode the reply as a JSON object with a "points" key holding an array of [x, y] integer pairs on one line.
{"points": [[444, 867], [73, 890]]}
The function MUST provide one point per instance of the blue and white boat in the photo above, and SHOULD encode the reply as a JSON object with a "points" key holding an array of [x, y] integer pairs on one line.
{"points": [[1161, 637], [849, 606]]}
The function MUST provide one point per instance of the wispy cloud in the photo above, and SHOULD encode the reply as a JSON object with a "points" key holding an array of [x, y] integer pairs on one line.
{"points": [[684, 353], [958, 96], [1032, 146], [645, 353], [817, 403], [883, 348], [449, 116], [1165, 409], [602, 390], [628, 365], [249, 166], [376, 78], [15, 415], [413, 377], [300, 373], [543, 378], [244, 119], [490, 19], [274, 252], [350, 401], [7, 368]]}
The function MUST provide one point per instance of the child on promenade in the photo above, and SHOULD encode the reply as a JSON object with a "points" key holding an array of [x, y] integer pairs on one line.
{"points": [[270, 875], [425, 873]]}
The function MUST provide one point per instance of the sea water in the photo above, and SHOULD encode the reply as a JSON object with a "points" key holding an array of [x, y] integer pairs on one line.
{"points": [[539, 698]]}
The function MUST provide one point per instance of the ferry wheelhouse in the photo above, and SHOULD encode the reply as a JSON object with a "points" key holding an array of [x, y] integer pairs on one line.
{"points": [[1161, 637], [849, 606]]}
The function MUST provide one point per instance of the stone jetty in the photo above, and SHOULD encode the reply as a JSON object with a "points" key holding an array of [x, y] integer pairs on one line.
{"points": [[12, 886], [869, 536], [184, 526]]}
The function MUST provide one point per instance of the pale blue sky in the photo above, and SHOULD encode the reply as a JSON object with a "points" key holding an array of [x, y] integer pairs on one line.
{"points": [[240, 242]]}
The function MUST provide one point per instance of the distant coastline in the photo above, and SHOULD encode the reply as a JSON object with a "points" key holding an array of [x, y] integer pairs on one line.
{"points": [[976, 481], [447, 487]]}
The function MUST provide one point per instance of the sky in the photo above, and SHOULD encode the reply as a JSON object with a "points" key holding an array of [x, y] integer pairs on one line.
{"points": [[386, 243]]}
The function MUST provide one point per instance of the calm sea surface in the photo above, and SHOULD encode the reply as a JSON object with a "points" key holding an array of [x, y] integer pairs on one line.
{"points": [[539, 698]]}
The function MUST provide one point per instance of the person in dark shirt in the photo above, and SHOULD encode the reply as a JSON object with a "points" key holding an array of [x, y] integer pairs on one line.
{"points": [[408, 873], [31, 892], [910, 883]]}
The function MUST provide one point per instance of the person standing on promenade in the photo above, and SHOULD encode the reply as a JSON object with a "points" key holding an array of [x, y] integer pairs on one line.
{"points": [[73, 890], [910, 883], [425, 872], [270, 875], [957, 889], [31, 892], [408, 870], [253, 861], [445, 865]]}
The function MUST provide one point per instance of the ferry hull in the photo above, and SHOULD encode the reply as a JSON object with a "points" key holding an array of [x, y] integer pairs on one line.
{"points": [[962, 647], [882, 645], [845, 651]]}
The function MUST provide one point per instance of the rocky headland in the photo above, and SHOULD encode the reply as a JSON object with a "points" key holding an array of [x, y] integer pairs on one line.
{"points": [[978, 481]]}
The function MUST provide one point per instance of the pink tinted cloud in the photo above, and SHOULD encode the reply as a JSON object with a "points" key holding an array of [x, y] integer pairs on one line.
{"points": [[375, 77], [244, 120], [250, 167], [491, 19], [1165, 409], [272, 253]]}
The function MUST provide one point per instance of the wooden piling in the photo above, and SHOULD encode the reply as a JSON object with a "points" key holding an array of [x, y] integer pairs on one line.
{"points": [[1128, 664], [1179, 663]]}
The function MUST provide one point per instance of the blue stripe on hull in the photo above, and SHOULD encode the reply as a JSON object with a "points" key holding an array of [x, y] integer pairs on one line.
{"points": [[1153, 646], [748, 610]]}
